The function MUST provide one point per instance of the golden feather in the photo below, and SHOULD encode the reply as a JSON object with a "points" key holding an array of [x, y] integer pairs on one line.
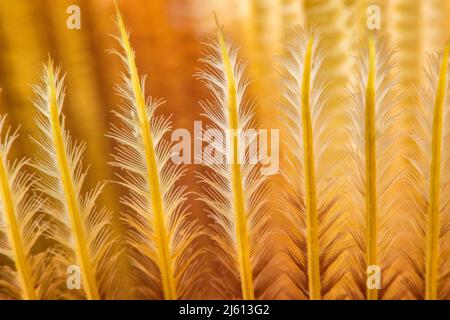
{"points": [[162, 236], [235, 192], [80, 227], [21, 226], [430, 255], [375, 168]]}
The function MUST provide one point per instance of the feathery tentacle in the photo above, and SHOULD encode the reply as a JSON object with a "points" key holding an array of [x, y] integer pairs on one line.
{"points": [[81, 228], [162, 235], [235, 190], [19, 218], [430, 200], [375, 167]]}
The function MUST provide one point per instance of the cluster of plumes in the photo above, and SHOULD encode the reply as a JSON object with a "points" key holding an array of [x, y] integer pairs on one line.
{"points": [[49, 206], [345, 198], [337, 205]]}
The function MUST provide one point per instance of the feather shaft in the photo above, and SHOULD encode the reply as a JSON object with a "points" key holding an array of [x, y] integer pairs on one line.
{"points": [[371, 175], [312, 223], [433, 223]]}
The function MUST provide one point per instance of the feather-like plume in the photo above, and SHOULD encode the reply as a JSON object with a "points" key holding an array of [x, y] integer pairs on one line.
{"points": [[80, 227], [312, 237], [21, 225], [162, 237], [235, 192], [374, 168], [430, 201]]}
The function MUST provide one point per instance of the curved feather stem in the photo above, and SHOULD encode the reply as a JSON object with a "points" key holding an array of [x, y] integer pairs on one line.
{"points": [[165, 262], [19, 252], [433, 223], [371, 176], [312, 223], [237, 189], [81, 243]]}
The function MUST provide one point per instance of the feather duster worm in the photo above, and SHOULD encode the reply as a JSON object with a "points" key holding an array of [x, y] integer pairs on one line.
{"points": [[235, 190], [161, 234], [374, 170], [21, 225], [431, 162], [82, 230], [313, 240]]}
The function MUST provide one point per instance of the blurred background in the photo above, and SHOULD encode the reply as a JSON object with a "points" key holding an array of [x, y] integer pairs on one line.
{"points": [[167, 36]]}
